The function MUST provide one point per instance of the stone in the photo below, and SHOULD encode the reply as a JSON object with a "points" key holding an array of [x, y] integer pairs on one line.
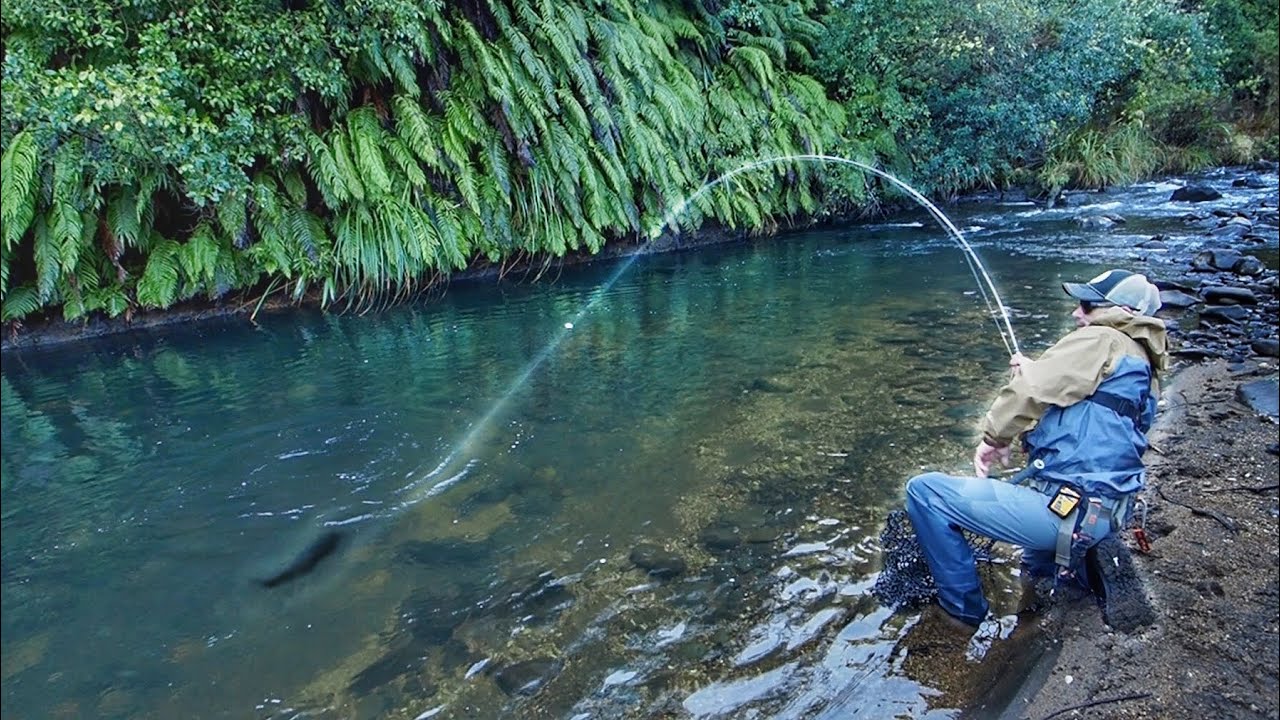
{"points": [[1195, 352], [1195, 193], [1177, 299], [1229, 231], [721, 537], [1223, 295], [659, 562], [1248, 266], [1233, 314], [1261, 396], [1215, 259], [1095, 222], [1153, 244], [1266, 347], [1253, 182], [528, 677]]}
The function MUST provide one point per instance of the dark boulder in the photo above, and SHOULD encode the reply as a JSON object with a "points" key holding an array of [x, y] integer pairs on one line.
{"points": [[1095, 222], [1253, 182], [1215, 259], [1267, 166], [1197, 352], [1177, 299], [1229, 231], [721, 537], [1153, 244], [1171, 285], [528, 677], [1248, 266], [1195, 193], [1233, 314], [1266, 347], [1223, 295], [659, 562]]}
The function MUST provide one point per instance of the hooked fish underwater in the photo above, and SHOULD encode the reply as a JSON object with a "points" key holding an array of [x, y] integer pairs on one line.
{"points": [[307, 560]]}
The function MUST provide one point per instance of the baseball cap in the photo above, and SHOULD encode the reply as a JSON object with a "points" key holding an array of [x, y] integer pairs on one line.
{"points": [[1118, 287]]}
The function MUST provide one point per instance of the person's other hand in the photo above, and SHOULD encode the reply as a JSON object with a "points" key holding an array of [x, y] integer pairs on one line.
{"points": [[1015, 363], [986, 454]]}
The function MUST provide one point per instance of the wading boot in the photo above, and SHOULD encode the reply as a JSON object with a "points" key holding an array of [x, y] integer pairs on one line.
{"points": [[1114, 580]]}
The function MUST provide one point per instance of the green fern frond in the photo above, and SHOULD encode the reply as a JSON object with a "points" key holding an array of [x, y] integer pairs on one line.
{"points": [[326, 174], [402, 69], [367, 138], [403, 158], [158, 286], [346, 165], [19, 169], [417, 129], [20, 302]]}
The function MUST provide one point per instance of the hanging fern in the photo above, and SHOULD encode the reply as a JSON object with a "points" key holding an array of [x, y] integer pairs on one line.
{"points": [[19, 171]]}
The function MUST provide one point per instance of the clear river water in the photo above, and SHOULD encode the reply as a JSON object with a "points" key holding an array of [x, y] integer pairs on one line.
{"points": [[752, 409]]}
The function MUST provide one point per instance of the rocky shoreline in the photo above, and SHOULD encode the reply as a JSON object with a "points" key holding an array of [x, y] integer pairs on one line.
{"points": [[1213, 521]]}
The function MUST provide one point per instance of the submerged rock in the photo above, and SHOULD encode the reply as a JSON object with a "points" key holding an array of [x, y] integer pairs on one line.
{"points": [[659, 562], [528, 677]]}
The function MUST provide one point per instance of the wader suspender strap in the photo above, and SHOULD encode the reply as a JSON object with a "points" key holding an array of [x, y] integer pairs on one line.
{"points": [[1118, 510]]}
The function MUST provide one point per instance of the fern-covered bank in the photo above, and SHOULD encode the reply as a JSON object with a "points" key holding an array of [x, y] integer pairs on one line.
{"points": [[156, 153]]}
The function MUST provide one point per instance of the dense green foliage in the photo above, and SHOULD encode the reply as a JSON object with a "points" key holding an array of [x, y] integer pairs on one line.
{"points": [[155, 152], [1058, 92]]}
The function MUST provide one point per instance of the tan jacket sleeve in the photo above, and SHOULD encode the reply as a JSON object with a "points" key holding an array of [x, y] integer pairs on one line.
{"points": [[1065, 374]]}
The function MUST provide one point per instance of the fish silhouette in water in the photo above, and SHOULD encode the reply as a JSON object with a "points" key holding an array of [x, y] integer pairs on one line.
{"points": [[321, 548]]}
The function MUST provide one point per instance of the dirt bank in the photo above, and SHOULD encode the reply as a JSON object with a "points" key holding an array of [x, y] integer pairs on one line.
{"points": [[1211, 576]]}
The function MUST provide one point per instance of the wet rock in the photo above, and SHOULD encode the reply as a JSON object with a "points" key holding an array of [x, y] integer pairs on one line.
{"points": [[721, 537], [1177, 299], [1249, 266], [1267, 166], [1253, 182], [1228, 314], [1195, 193], [1222, 295], [388, 668], [1172, 285], [1261, 396], [657, 561], [1153, 244], [1215, 259], [441, 552], [767, 385], [1095, 222], [543, 598], [1266, 347], [1229, 232], [528, 677], [1196, 352]]}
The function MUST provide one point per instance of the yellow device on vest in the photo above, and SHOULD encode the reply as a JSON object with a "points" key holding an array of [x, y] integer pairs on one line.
{"points": [[1064, 501]]}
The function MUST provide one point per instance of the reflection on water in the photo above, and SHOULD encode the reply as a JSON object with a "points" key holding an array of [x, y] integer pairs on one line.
{"points": [[736, 421]]}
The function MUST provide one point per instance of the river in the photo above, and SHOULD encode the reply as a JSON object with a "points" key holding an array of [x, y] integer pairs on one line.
{"points": [[752, 409]]}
